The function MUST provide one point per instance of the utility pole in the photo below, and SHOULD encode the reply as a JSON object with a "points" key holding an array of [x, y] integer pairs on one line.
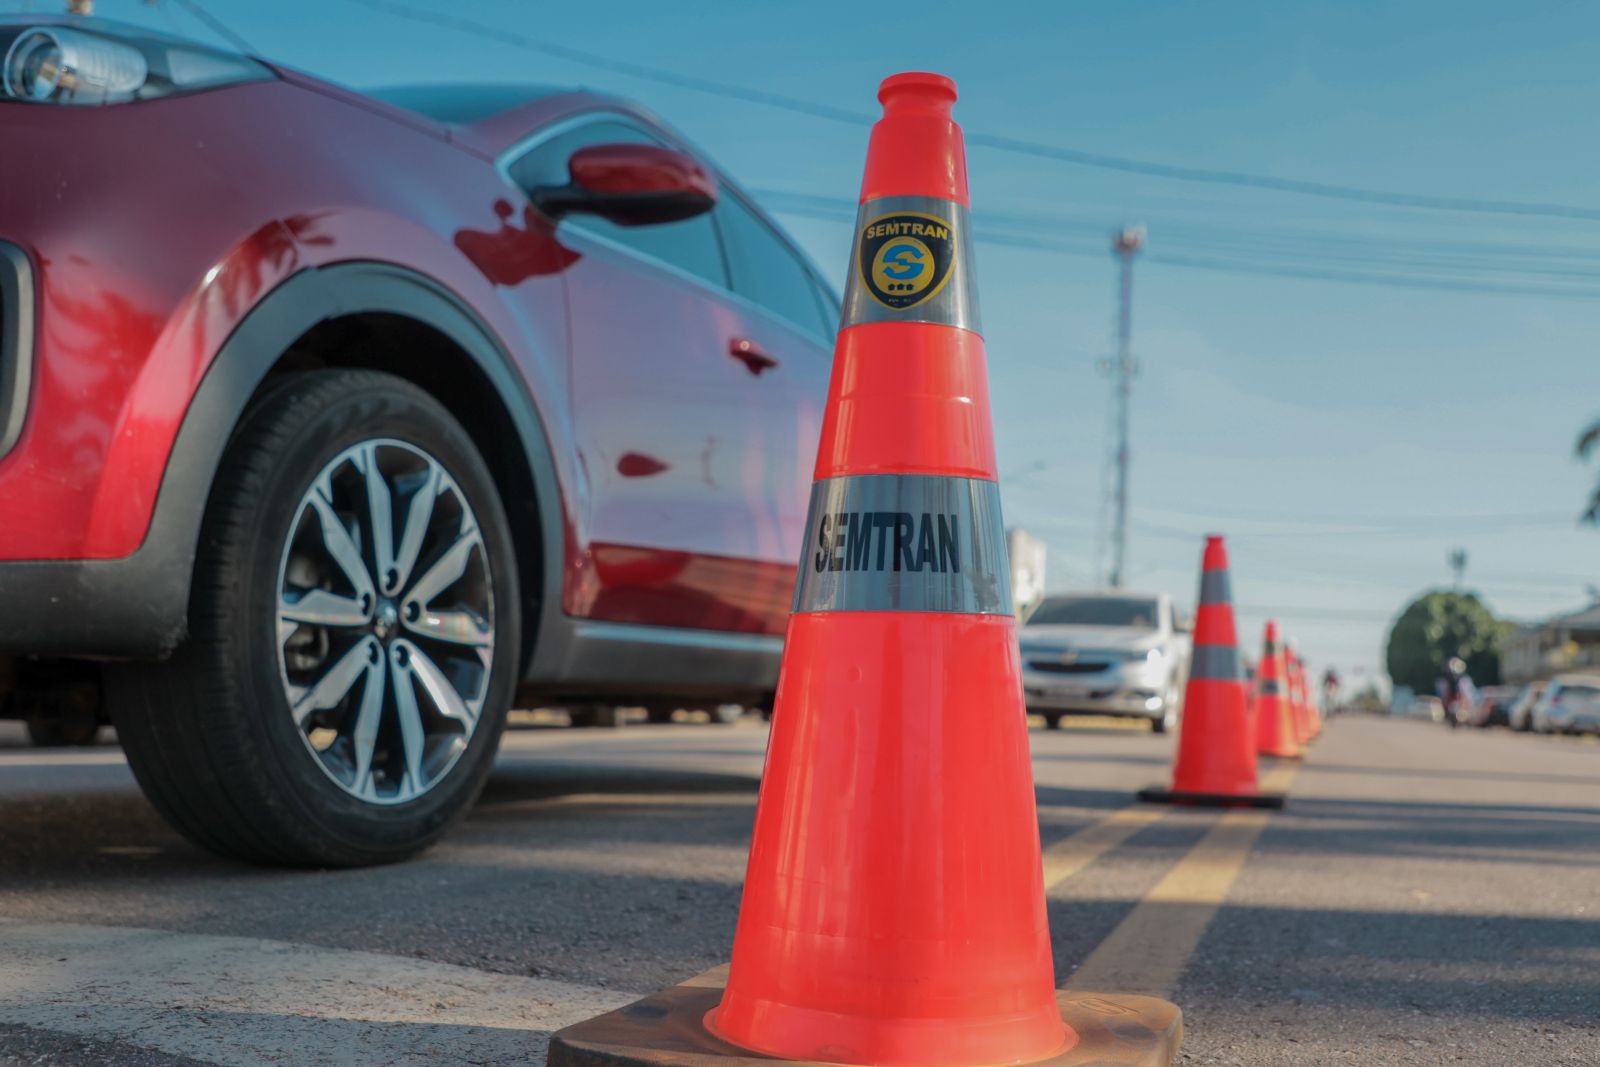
{"points": [[1458, 566], [1125, 243]]}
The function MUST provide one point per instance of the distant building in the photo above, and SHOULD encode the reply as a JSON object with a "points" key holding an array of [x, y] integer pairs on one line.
{"points": [[1027, 570], [1564, 643]]}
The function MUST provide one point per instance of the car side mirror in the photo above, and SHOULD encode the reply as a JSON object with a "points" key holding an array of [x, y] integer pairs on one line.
{"points": [[630, 185]]}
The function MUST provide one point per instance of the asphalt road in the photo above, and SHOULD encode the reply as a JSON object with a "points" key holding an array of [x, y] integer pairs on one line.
{"points": [[1427, 898]]}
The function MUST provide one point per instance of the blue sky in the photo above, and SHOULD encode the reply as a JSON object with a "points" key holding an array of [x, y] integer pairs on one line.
{"points": [[1345, 436]]}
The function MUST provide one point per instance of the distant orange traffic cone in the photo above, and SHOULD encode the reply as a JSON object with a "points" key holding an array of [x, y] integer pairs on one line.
{"points": [[1297, 696], [1309, 696], [893, 909], [1216, 762], [1275, 726]]}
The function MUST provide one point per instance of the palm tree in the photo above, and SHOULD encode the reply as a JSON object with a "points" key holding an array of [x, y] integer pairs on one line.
{"points": [[1588, 445]]}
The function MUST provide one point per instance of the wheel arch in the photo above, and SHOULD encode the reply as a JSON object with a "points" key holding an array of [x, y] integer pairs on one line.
{"points": [[384, 317], [138, 606]]}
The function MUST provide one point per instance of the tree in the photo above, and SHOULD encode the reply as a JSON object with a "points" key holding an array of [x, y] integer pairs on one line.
{"points": [[1588, 445], [1436, 626]]}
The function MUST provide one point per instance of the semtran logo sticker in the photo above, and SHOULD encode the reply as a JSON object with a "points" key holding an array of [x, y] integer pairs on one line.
{"points": [[906, 258]]}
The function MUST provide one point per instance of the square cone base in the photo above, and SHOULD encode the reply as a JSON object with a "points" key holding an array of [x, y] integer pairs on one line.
{"points": [[668, 1028], [1158, 795]]}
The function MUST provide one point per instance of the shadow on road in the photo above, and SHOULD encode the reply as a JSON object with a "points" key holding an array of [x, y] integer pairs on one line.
{"points": [[1560, 836], [514, 784], [1462, 776], [1512, 967]]}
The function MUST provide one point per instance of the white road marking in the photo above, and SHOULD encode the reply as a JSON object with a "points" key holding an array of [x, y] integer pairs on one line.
{"points": [[243, 1002]]}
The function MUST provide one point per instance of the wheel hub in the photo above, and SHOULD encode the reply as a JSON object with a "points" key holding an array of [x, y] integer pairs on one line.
{"points": [[385, 619]]}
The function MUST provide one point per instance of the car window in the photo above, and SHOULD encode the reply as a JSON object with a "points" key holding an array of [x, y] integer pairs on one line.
{"points": [[690, 245], [765, 269], [1095, 611], [829, 305]]}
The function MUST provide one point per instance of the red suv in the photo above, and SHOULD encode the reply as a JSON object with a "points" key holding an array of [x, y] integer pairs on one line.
{"points": [[330, 424]]}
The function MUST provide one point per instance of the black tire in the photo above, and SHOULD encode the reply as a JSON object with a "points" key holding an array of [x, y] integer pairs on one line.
{"points": [[1052, 720], [208, 733]]}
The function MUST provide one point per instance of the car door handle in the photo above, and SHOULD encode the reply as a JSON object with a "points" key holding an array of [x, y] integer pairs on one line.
{"points": [[752, 355]]}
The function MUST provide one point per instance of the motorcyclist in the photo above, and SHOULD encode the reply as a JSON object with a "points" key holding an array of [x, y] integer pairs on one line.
{"points": [[1455, 691]]}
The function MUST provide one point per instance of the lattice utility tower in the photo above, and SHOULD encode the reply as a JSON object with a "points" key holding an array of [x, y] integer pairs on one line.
{"points": [[1126, 243]]}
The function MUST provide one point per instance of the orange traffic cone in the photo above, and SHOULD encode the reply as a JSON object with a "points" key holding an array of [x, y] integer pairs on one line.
{"points": [[1309, 697], [1275, 727], [893, 909], [1297, 696], [1216, 762]]}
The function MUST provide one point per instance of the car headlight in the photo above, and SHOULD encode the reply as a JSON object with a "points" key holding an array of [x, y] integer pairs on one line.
{"points": [[109, 64]]}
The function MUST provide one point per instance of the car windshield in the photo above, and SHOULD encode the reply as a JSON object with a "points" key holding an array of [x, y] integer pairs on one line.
{"points": [[1585, 693], [1137, 612], [460, 104]]}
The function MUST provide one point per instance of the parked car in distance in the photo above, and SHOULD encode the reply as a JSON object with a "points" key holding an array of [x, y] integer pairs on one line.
{"points": [[339, 420], [1520, 716], [1494, 705], [1114, 653], [1570, 705]]}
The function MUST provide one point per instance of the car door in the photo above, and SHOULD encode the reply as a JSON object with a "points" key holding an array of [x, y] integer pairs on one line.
{"points": [[683, 404], [784, 320]]}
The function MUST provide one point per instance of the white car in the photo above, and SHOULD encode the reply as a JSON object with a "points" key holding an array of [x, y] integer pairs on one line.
{"points": [[1114, 653], [1570, 704], [1520, 718]]}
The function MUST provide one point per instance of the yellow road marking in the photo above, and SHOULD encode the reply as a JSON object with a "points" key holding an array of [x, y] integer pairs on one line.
{"points": [[1073, 853], [1149, 949]]}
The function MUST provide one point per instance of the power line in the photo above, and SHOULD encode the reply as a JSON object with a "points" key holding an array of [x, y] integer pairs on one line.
{"points": [[1221, 264], [1263, 246], [1318, 614], [1325, 190], [216, 25], [641, 71], [1014, 145]]}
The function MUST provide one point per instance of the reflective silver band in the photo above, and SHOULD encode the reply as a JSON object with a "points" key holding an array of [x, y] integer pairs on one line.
{"points": [[1215, 663], [1215, 588], [1270, 687], [905, 542], [955, 301]]}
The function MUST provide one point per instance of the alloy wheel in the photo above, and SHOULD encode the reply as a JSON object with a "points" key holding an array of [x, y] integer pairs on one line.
{"points": [[385, 621]]}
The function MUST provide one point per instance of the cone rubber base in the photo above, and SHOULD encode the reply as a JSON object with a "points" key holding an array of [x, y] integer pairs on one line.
{"points": [[1159, 795], [667, 1029]]}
